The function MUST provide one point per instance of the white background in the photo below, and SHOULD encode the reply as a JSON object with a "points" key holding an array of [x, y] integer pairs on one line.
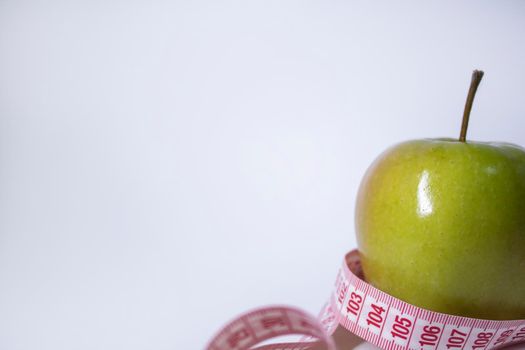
{"points": [[165, 166]]}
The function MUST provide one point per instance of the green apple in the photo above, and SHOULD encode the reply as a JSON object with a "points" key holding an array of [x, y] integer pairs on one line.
{"points": [[440, 224]]}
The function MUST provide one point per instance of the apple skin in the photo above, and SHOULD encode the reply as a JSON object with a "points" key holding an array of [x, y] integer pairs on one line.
{"points": [[441, 224]]}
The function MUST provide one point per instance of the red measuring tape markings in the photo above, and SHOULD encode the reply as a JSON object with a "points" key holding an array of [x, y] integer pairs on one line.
{"points": [[371, 314]]}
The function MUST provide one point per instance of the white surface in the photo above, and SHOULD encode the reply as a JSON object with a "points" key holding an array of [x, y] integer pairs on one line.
{"points": [[167, 165]]}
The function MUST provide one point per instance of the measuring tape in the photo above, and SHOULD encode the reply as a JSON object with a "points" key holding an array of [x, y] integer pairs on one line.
{"points": [[371, 314]]}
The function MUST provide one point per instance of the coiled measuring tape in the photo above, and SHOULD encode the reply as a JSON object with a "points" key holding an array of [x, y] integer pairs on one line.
{"points": [[371, 314]]}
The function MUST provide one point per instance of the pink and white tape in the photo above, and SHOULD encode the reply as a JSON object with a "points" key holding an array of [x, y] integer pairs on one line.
{"points": [[371, 314]]}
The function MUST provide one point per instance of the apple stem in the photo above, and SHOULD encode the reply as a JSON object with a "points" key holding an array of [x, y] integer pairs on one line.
{"points": [[474, 83]]}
